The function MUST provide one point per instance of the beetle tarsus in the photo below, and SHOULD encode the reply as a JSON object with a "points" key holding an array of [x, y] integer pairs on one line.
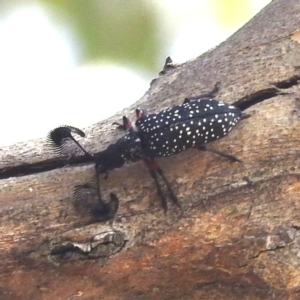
{"points": [[220, 153]]}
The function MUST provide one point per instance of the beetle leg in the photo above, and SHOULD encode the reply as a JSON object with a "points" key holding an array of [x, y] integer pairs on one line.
{"points": [[159, 191], [126, 124], [119, 125], [155, 170], [230, 157], [139, 113], [210, 94], [169, 187]]}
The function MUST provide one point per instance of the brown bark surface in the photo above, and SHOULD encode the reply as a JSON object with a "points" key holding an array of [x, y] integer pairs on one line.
{"points": [[237, 236]]}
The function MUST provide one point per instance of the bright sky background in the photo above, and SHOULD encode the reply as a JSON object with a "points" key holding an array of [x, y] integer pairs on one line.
{"points": [[41, 84]]}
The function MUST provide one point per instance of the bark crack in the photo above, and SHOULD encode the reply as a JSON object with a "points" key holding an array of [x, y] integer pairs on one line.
{"points": [[56, 163]]}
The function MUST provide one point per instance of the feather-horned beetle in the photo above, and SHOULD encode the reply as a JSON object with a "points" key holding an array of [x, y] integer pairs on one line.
{"points": [[199, 120]]}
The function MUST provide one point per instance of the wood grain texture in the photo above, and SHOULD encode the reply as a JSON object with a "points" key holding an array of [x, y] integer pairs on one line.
{"points": [[237, 236]]}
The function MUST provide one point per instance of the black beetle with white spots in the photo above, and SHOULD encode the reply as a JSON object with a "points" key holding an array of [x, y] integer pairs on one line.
{"points": [[199, 120]]}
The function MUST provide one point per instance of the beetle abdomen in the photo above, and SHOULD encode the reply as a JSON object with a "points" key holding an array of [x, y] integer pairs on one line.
{"points": [[187, 125]]}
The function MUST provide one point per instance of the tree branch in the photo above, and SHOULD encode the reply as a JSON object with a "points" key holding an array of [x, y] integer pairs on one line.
{"points": [[237, 236]]}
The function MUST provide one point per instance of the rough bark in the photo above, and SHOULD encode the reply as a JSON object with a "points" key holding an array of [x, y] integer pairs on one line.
{"points": [[237, 236]]}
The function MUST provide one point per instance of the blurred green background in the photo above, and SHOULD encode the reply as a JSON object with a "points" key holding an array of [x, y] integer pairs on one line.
{"points": [[78, 62]]}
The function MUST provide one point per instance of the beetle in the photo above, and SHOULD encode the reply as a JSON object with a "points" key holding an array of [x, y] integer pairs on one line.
{"points": [[195, 122]]}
